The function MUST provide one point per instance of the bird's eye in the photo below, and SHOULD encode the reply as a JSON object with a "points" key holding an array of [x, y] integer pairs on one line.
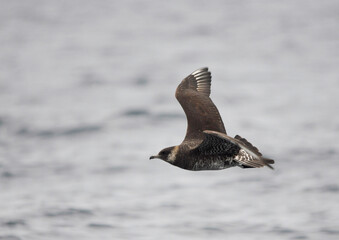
{"points": [[163, 152]]}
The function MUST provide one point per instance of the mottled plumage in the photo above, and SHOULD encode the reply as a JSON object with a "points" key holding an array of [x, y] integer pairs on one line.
{"points": [[206, 145]]}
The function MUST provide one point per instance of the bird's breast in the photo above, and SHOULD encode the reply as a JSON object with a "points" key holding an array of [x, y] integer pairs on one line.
{"points": [[213, 163]]}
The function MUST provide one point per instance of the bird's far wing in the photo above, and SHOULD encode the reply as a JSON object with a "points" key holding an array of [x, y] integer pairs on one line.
{"points": [[193, 95]]}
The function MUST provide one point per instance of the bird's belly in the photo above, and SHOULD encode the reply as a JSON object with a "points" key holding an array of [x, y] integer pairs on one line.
{"points": [[214, 163]]}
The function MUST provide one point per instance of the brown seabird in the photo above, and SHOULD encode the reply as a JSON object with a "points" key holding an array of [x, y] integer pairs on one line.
{"points": [[206, 145]]}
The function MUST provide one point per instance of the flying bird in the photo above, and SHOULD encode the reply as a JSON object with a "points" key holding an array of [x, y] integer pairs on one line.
{"points": [[206, 145]]}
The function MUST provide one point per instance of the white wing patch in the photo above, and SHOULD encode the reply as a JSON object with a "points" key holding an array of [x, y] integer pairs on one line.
{"points": [[245, 158]]}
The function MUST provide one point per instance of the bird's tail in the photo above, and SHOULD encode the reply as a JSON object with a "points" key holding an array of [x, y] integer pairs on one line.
{"points": [[268, 162]]}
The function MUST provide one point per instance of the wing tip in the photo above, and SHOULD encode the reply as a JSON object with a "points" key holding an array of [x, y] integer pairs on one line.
{"points": [[199, 70]]}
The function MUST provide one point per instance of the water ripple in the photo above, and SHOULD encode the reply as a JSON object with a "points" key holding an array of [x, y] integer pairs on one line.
{"points": [[330, 231], [100, 225], [68, 212], [50, 133], [135, 113], [14, 223], [9, 237]]}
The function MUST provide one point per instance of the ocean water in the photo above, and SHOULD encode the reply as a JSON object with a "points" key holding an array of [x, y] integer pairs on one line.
{"points": [[87, 95]]}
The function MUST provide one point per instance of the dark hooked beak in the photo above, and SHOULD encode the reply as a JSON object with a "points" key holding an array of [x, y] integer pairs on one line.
{"points": [[152, 157]]}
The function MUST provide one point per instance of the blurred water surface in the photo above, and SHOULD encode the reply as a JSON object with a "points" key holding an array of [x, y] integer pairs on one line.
{"points": [[87, 95]]}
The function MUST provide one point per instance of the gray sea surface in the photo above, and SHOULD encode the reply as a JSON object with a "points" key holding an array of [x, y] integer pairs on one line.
{"points": [[87, 95]]}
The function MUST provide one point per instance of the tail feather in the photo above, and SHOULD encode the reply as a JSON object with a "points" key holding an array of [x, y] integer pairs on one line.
{"points": [[268, 161]]}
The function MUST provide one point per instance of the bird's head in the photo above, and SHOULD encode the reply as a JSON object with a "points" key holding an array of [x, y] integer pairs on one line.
{"points": [[167, 154]]}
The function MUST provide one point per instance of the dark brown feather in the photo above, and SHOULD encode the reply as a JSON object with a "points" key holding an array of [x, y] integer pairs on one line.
{"points": [[243, 157], [193, 95], [248, 144]]}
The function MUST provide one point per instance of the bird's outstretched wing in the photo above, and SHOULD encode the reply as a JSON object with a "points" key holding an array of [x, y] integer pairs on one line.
{"points": [[213, 145], [243, 152], [193, 95]]}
